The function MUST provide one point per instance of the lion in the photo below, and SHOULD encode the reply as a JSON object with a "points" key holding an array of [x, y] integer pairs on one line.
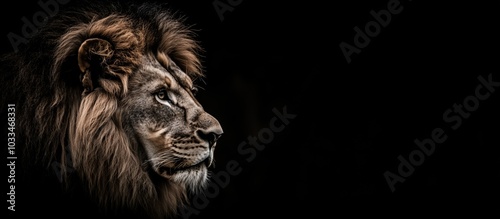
{"points": [[104, 93]]}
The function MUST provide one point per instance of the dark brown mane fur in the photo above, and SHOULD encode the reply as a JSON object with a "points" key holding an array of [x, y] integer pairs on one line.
{"points": [[54, 120]]}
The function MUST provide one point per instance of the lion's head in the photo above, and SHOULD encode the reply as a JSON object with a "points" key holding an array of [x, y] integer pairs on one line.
{"points": [[113, 88]]}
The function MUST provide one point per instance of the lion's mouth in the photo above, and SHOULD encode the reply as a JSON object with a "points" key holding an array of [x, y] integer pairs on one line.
{"points": [[169, 171]]}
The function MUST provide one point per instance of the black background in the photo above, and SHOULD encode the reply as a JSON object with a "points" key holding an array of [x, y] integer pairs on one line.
{"points": [[352, 120]]}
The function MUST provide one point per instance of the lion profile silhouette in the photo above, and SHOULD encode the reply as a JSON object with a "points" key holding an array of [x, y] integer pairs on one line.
{"points": [[106, 92]]}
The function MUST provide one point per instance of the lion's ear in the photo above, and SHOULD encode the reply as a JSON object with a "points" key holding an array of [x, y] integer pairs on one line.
{"points": [[93, 55]]}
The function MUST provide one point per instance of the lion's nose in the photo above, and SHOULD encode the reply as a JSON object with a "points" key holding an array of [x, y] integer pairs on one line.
{"points": [[210, 135], [209, 129]]}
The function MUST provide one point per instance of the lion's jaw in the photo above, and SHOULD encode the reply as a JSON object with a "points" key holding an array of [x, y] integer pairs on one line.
{"points": [[190, 172]]}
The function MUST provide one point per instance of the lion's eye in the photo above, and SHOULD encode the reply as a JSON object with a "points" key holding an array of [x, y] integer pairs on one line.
{"points": [[163, 97]]}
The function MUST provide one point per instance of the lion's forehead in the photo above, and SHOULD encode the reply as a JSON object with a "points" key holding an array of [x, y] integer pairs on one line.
{"points": [[154, 73], [182, 78]]}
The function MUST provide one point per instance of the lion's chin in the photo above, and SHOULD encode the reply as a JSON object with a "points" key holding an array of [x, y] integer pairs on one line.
{"points": [[193, 178]]}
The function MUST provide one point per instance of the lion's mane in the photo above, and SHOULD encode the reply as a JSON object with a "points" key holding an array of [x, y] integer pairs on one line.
{"points": [[82, 136]]}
